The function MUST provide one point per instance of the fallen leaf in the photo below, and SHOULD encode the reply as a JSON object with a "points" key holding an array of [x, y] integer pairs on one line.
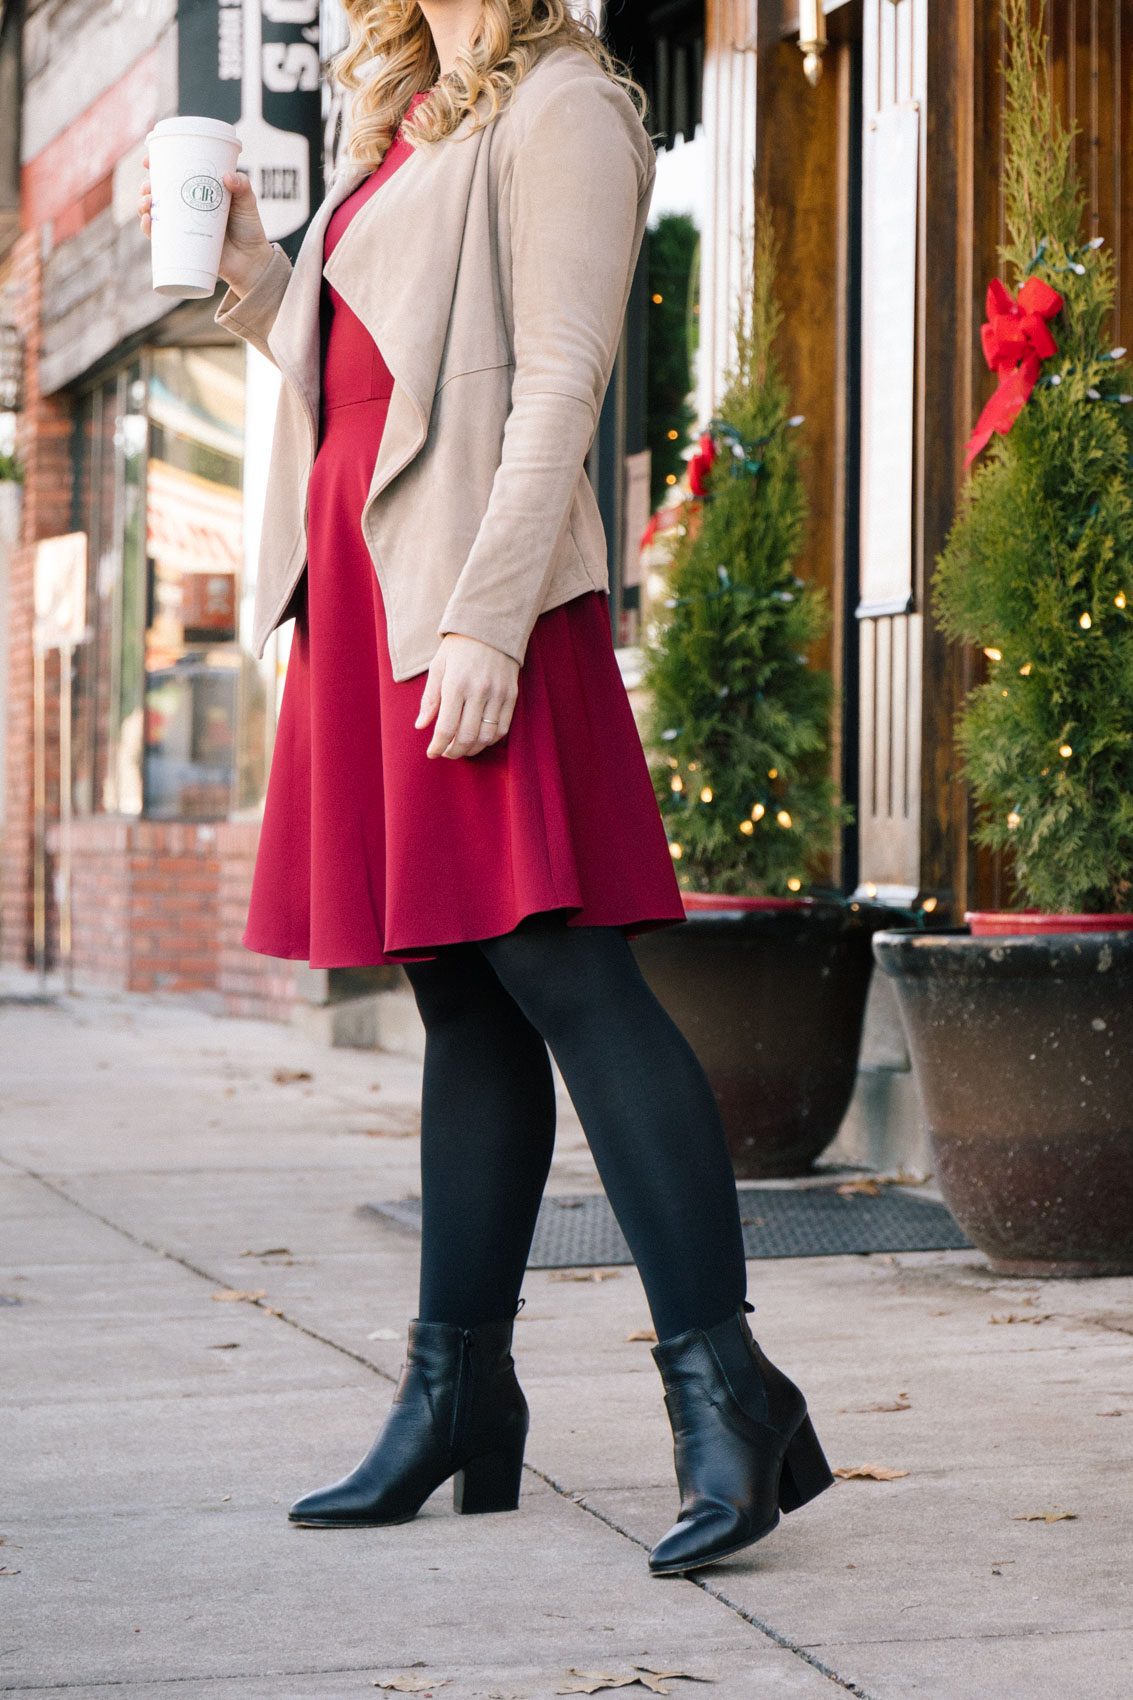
{"points": [[901, 1403], [591, 1681], [272, 1251], [285, 1076], [869, 1473], [1014, 1316], [1112, 1413], [225, 1346], [384, 1334], [1046, 1517], [568, 1203], [413, 1684], [271, 1310], [652, 1677], [870, 1188], [232, 1295], [643, 1334], [585, 1274], [6, 1570]]}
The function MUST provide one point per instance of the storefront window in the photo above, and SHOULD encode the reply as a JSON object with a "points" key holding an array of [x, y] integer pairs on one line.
{"points": [[172, 716]]}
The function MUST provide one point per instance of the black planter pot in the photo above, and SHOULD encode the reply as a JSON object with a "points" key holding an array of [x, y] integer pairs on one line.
{"points": [[771, 996], [1023, 1050]]}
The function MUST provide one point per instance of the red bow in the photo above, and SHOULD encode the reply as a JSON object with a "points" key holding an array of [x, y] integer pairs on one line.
{"points": [[1016, 340], [700, 464]]}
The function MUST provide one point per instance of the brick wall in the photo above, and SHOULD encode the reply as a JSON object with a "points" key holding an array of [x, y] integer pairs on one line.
{"points": [[159, 906], [249, 984], [43, 445]]}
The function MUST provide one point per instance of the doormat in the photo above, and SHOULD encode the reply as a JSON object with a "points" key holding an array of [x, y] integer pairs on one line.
{"points": [[812, 1221]]}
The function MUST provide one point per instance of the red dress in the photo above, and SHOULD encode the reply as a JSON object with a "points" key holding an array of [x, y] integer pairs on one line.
{"points": [[372, 853]]}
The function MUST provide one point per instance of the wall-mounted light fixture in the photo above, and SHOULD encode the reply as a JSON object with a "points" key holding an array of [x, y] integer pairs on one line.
{"points": [[11, 370], [812, 39]]}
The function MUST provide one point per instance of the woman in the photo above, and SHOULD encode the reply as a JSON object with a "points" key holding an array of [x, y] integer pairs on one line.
{"points": [[446, 337]]}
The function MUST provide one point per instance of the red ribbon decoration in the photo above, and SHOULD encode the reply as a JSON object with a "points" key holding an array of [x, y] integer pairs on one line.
{"points": [[700, 464], [1016, 340]]}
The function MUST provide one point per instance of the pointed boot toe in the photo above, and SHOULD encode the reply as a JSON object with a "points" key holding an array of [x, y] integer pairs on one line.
{"points": [[709, 1533], [743, 1445], [458, 1411]]}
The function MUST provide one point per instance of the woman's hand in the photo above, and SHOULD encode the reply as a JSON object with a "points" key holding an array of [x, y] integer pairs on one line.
{"points": [[470, 692], [247, 252]]}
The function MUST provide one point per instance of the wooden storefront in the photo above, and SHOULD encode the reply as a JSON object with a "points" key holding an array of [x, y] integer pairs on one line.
{"points": [[884, 181]]}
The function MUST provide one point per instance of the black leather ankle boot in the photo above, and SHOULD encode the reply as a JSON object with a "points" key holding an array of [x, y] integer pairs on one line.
{"points": [[458, 1411], [743, 1444]]}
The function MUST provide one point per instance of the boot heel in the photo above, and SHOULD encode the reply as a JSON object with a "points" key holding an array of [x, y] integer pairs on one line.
{"points": [[805, 1470], [489, 1483]]}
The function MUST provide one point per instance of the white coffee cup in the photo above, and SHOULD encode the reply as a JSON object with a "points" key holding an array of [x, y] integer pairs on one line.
{"points": [[188, 158]]}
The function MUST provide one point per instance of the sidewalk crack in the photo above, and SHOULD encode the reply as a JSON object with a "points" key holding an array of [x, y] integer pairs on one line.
{"points": [[776, 1635], [577, 1500]]}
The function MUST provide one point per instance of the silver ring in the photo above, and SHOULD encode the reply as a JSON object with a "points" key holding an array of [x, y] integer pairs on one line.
{"points": [[484, 721]]}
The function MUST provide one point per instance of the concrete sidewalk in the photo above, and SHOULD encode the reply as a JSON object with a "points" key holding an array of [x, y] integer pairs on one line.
{"points": [[154, 1159]]}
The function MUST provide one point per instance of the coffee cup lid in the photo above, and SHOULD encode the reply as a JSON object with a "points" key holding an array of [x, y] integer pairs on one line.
{"points": [[189, 126]]}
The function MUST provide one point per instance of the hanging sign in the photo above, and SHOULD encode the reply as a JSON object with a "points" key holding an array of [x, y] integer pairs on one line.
{"points": [[60, 592], [255, 63]]}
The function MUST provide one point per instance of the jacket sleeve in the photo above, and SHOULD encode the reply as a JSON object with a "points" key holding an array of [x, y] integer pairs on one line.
{"points": [[251, 316], [578, 184]]}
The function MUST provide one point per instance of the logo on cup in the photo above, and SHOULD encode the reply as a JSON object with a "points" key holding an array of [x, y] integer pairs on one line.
{"points": [[203, 193]]}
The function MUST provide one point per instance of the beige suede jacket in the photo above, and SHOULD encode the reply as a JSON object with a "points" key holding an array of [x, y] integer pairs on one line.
{"points": [[492, 270]]}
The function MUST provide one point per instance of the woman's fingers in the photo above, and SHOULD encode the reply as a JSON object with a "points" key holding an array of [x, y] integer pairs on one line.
{"points": [[471, 690], [431, 695], [505, 712]]}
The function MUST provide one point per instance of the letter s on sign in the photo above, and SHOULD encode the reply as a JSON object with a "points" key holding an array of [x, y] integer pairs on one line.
{"points": [[291, 11], [289, 66]]}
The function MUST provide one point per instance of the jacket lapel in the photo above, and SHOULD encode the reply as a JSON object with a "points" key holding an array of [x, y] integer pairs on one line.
{"points": [[294, 338], [396, 268]]}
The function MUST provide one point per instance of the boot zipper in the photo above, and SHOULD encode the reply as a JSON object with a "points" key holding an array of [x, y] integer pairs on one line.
{"points": [[462, 1409]]}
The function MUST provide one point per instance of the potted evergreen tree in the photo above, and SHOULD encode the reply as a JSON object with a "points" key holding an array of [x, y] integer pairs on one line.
{"points": [[1021, 1032], [768, 979]]}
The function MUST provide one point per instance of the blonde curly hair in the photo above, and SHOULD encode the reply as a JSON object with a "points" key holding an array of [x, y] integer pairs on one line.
{"points": [[391, 57]]}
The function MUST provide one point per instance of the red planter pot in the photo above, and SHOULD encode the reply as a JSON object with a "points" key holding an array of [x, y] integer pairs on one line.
{"points": [[1031, 923], [770, 992]]}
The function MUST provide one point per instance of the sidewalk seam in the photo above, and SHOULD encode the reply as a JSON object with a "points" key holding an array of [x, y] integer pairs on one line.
{"points": [[784, 1641], [577, 1500]]}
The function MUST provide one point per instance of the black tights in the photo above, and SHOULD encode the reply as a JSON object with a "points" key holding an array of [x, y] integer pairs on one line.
{"points": [[490, 1010]]}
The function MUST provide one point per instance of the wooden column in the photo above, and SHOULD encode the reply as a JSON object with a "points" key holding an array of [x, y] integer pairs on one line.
{"points": [[729, 124], [807, 159]]}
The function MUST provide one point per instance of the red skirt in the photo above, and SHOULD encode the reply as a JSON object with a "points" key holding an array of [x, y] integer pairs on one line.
{"points": [[370, 852]]}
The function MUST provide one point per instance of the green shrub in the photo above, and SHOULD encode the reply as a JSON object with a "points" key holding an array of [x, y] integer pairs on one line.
{"points": [[1038, 568], [740, 722]]}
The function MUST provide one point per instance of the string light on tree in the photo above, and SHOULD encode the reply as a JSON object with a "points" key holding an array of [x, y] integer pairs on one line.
{"points": [[734, 619], [783, 818], [994, 654], [1047, 525], [794, 883], [675, 852], [676, 783]]}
